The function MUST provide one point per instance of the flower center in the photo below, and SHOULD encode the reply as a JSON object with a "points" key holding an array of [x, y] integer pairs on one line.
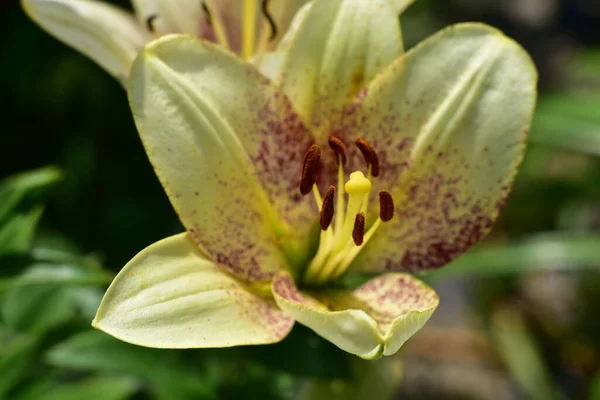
{"points": [[224, 26], [342, 239]]}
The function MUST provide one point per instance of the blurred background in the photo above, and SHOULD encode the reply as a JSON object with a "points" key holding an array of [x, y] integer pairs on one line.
{"points": [[519, 314]]}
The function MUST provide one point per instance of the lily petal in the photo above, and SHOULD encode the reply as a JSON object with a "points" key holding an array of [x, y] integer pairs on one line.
{"points": [[374, 320], [228, 150], [283, 12], [449, 121], [402, 5], [173, 16], [269, 63], [338, 47], [172, 296], [108, 35]]}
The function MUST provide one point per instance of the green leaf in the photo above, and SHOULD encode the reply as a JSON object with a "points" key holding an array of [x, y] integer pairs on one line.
{"points": [[25, 186], [595, 388], [95, 388], [520, 352], [16, 354], [371, 379], [313, 356], [165, 372], [37, 310], [549, 251], [19, 212], [568, 120], [17, 233], [42, 274]]}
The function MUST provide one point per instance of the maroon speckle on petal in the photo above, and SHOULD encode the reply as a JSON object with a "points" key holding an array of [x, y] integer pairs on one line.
{"points": [[284, 286]]}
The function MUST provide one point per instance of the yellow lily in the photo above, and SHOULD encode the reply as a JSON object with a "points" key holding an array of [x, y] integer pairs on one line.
{"points": [[113, 37], [439, 133]]}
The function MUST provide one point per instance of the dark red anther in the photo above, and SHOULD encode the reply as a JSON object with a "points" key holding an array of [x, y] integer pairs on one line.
{"points": [[337, 146], [326, 215], [358, 233], [310, 169], [386, 206], [369, 154]]}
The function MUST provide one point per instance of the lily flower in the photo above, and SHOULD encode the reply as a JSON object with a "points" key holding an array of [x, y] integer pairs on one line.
{"points": [[113, 37], [358, 157]]}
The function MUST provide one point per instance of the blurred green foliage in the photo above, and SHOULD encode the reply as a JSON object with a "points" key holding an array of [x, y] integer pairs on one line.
{"points": [[531, 290]]}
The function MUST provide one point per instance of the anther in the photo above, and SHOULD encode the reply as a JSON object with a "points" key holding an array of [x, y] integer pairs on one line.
{"points": [[270, 20], [206, 12], [326, 215], [369, 155], [386, 206], [358, 233], [337, 146], [150, 22], [310, 169]]}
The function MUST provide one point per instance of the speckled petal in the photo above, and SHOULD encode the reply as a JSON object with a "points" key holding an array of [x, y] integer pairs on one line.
{"points": [[172, 296], [108, 35], [338, 47], [374, 320], [449, 122], [172, 16], [228, 150]]}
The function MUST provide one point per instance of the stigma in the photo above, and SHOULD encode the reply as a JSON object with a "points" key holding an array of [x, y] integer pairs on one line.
{"points": [[343, 222]]}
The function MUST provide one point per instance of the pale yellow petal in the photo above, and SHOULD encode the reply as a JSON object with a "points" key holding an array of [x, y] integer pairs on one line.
{"points": [[449, 121], [339, 46], [171, 296], [401, 5], [374, 320], [228, 150], [108, 35]]}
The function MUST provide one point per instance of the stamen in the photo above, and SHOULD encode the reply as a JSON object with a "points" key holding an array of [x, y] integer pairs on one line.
{"points": [[310, 169], [206, 13], [326, 215], [216, 21], [270, 20], [150, 22], [248, 28], [337, 146], [358, 233], [386, 206], [369, 155]]}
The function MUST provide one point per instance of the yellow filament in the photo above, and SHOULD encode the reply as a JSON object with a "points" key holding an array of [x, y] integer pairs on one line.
{"points": [[339, 207], [351, 252], [365, 205], [336, 247], [325, 242], [317, 196], [315, 266], [248, 28], [217, 23]]}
